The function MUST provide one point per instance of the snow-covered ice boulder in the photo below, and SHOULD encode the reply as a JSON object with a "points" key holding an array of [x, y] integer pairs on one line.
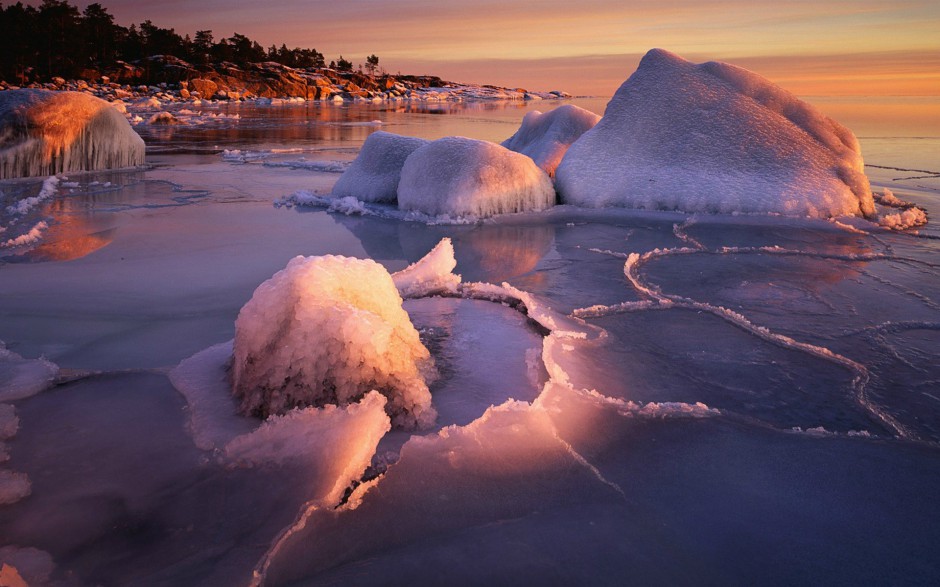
{"points": [[713, 137], [327, 330], [546, 137], [374, 175], [460, 177], [44, 133]]}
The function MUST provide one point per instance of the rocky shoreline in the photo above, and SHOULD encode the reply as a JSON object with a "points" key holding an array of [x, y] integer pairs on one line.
{"points": [[170, 79]]}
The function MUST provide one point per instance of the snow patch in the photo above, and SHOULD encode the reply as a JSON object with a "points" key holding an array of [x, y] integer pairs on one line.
{"points": [[49, 187], [31, 236], [21, 378], [320, 166], [903, 220]]}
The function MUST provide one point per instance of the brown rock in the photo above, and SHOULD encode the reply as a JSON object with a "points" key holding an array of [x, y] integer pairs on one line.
{"points": [[206, 88]]}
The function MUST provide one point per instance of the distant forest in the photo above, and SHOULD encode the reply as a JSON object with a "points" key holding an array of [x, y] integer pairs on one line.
{"points": [[56, 39]]}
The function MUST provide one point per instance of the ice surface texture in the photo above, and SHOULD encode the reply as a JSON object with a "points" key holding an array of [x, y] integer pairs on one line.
{"points": [[21, 378], [327, 330], [546, 137], [716, 138], [374, 175], [44, 133], [458, 177]]}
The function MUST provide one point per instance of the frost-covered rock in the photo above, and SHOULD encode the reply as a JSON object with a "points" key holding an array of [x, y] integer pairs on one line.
{"points": [[374, 175], [457, 176], [714, 138], [44, 133], [327, 330], [163, 118], [546, 137]]}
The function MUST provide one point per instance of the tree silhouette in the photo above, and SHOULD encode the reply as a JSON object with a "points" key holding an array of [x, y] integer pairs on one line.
{"points": [[372, 63]]}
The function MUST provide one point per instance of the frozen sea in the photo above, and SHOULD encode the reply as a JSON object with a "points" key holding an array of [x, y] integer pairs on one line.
{"points": [[746, 400]]}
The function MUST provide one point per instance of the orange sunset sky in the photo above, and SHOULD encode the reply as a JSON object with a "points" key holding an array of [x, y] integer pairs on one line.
{"points": [[813, 48]]}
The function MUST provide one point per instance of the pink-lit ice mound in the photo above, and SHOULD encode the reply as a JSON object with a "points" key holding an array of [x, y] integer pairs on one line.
{"points": [[714, 138], [374, 175], [461, 177], [44, 133], [327, 330], [546, 137]]}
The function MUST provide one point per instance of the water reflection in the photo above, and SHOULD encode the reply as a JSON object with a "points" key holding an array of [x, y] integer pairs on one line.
{"points": [[82, 217], [240, 125], [485, 252]]}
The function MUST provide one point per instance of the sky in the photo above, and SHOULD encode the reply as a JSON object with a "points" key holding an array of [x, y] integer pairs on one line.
{"points": [[589, 47]]}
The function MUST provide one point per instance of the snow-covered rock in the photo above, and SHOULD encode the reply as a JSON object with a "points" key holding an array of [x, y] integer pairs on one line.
{"points": [[44, 133], [327, 330], [546, 137], [374, 175], [713, 137], [460, 177]]}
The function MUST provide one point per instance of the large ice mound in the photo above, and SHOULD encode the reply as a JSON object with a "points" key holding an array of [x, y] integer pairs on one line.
{"points": [[327, 330], [374, 175], [44, 133], [714, 138], [460, 177], [546, 137]]}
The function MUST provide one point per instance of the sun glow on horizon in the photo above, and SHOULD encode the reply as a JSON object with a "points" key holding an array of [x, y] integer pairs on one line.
{"points": [[855, 47]]}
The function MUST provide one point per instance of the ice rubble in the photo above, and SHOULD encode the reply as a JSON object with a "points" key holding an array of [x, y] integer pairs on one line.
{"points": [[546, 137], [908, 215], [48, 189], [713, 137], [45, 133], [14, 486], [327, 330], [374, 175], [459, 177], [432, 274]]}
